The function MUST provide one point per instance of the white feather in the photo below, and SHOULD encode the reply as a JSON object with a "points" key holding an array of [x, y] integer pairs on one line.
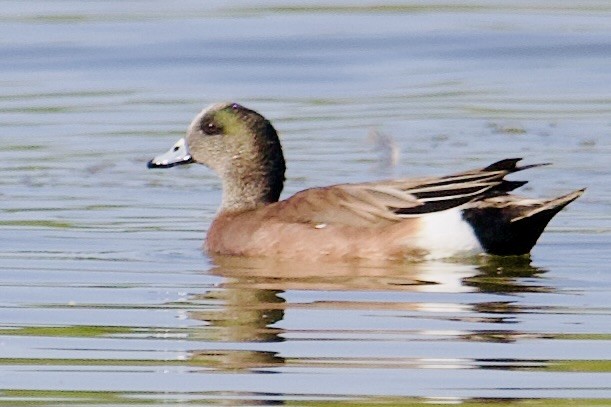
{"points": [[447, 234]]}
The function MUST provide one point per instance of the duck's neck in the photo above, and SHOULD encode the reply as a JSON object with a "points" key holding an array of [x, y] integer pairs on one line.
{"points": [[255, 179], [250, 191]]}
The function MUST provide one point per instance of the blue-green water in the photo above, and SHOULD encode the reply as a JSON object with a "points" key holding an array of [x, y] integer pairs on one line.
{"points": [[106, 297]]}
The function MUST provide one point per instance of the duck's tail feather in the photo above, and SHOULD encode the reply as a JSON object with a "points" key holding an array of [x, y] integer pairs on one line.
{"points": [[511, 165], [508, 186], [551, 206], [509, 225]]}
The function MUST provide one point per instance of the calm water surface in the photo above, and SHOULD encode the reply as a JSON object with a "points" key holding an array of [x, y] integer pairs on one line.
{"points": [[106, 298]]}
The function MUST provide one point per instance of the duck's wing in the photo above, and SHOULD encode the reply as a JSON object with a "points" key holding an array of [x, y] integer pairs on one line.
{"points": [[380, 203], [438, 194]]}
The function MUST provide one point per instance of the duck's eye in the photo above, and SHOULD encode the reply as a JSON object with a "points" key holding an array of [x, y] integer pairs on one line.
{"points": [[210, 128]]}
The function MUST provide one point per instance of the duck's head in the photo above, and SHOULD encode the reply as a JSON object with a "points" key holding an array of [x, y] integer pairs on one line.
{"points": [[240, 145]]}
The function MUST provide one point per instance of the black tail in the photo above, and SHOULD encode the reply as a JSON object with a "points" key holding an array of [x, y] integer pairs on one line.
{"points": [[514, 227], [510, 165]]}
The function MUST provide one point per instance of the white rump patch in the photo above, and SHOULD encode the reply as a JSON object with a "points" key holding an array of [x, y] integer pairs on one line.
{"points": [[447, 234]]}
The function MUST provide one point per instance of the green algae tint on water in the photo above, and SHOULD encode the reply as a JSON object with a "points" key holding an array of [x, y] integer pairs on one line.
{"points": [[107, 299]]}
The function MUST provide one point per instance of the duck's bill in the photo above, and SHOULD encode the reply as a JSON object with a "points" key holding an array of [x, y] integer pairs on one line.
{"points": [[178, 155]]}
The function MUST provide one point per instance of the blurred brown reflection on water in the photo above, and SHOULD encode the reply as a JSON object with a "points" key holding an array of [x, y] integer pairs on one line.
{"points": [[251, 303]]}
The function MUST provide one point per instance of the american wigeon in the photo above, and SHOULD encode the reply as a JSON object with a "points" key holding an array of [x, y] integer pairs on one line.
{"points": [[462, 214]]}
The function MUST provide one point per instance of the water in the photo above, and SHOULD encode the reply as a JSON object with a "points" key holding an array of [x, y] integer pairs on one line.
{"points": [[106, 298]]}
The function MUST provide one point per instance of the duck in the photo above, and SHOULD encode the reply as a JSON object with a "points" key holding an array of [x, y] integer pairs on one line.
{"points": [[463, 214]]}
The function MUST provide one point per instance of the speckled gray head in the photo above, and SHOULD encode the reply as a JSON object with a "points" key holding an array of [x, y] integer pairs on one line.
{"points": [[237, 143]]}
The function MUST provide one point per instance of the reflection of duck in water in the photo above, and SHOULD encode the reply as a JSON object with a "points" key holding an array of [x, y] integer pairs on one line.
{"points": [[269, 317], [247, 314], [253, 291], [464, 213], [502, 275], [251, 302]]}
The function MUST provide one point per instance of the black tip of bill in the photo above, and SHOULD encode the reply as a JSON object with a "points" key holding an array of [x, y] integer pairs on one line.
{"points": [[154, 164], [177, 155]]}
